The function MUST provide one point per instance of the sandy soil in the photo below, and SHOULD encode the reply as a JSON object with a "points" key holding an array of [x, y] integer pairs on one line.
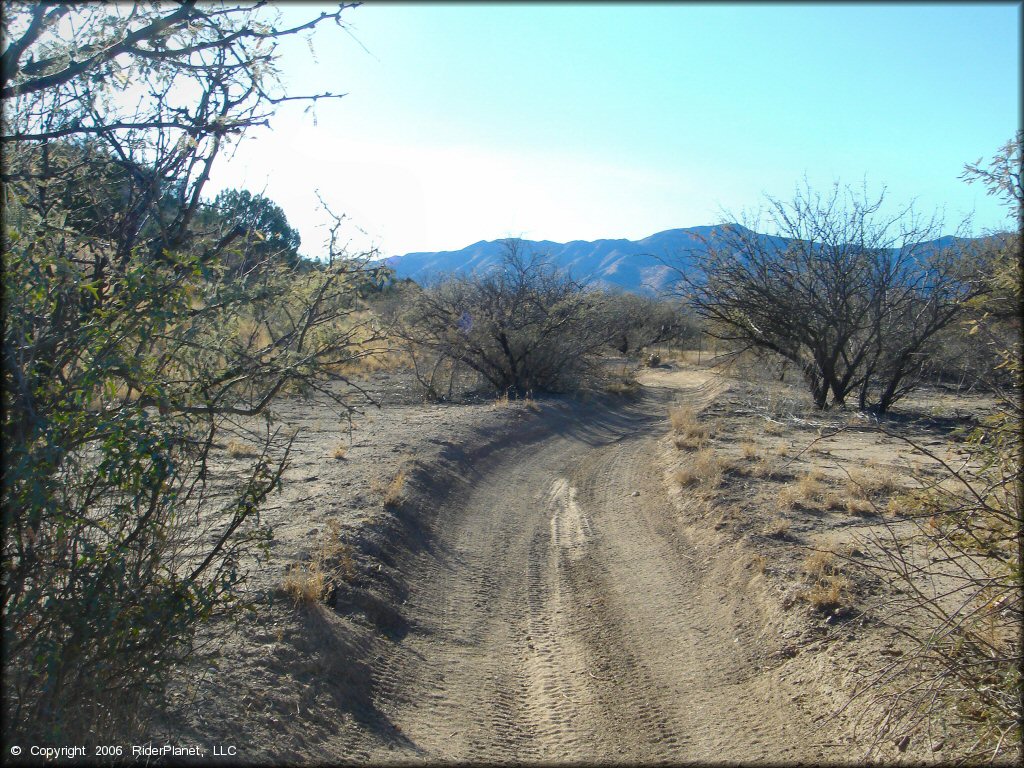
{"points": [[544, 591]]}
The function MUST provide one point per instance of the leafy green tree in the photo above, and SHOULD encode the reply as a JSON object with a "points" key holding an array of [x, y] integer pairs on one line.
{"points": [[267, 234], [130, 351]]}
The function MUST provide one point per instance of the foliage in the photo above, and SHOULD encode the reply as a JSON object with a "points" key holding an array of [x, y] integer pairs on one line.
{"points": [[853, 299], [263, 224], [131, 352], [958, 572], [635, 322]]}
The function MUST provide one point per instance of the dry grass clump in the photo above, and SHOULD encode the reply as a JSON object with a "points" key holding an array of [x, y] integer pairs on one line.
{"points": [[391, 493], [331, 562], [374, 356], [870, 482], [834, 500], [829, 588], [787, 498], [306, 583], [828, 593], [239, 450], [819, 563], [749, 450], [807, 490], [339, 452], [622, 386], [810, 486], [705, 469], [691, 434], [860, 506], [773, 427], [781, 449]]}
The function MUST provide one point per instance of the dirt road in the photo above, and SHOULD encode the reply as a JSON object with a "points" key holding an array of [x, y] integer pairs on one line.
{"points": [[562, 613]]}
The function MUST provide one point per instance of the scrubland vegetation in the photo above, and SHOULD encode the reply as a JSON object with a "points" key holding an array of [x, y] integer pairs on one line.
{"points": [[143, 321]]}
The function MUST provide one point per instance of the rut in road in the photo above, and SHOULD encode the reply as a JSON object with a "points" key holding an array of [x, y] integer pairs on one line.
{"points": [[561, 616]]}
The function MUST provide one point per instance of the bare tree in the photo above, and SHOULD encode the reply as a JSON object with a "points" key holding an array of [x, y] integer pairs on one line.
{"points": [[850, 296], [522, 327], [635, 322]]}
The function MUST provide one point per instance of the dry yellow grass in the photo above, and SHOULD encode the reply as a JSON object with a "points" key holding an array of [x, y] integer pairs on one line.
{"points": [[871, 481], [240, 450], [786, 498], [339, 452], [749, 450], [819, 563], [705, 469], [684, 421], [809, 487], [828, 593], [306, 583], [391, 493], [331, 562], [834, 500], [773, 428], [685, 476], [860, 506]]}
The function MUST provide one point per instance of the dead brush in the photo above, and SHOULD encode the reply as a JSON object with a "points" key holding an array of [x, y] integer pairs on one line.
{"points": [[829, 593], [706, 469], [391, 492], [531, 405], [777, 527], [829, 587], [805, 491], [306, 583], [749, 450], [686, 424], [239, 450], [330, 563], [871, 482], [810, 486]]}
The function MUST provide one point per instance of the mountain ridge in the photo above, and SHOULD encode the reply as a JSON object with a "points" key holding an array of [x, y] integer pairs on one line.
{"points": [[639, 266]]}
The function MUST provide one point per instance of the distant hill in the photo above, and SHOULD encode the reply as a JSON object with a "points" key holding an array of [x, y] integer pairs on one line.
{"points": [[632, 265]]}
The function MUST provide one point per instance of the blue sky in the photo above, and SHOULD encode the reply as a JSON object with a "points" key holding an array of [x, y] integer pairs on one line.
{"points": [[478, 121]]}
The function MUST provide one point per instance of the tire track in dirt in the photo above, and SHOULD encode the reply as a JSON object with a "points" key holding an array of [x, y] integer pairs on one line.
{"points": [[561, 615]]}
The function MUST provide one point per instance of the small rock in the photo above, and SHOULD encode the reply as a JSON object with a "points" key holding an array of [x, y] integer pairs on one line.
{"points": [[635, 493], [903, 743], [938, 745]]}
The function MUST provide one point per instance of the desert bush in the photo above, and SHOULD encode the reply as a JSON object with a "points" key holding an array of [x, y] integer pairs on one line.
{"points": [[633, 323], [131, 351], [851, 298], [957, 570], [522, 327]]}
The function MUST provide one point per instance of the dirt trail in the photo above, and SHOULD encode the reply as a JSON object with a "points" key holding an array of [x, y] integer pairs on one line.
{"points": [[562, 614]]}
